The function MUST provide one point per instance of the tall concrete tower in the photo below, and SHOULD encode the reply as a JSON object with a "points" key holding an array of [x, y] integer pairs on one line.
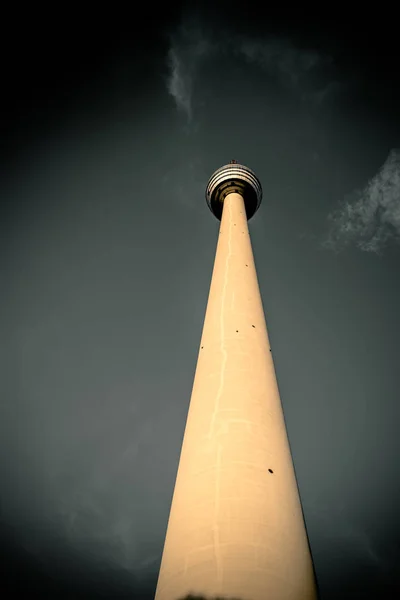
{"points": [[236, 527]]}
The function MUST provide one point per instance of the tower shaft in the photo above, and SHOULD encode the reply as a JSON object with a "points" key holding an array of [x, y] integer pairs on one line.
{"points": [[236, 527]]}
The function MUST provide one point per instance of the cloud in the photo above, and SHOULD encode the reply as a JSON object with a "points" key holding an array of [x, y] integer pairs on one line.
{"points": [[334, 523], [180, 83], [279, 57], [369, 218], [192, 44], [189, 46], [187, 183]]}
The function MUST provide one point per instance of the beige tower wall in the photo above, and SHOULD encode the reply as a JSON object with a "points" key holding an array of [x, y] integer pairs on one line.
{"points": [[235, 529]]}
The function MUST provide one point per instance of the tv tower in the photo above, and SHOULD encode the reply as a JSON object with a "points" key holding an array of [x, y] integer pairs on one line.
{"points": [[236, 527]]}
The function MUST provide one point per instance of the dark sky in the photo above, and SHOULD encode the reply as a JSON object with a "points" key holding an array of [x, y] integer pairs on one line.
{"points": [[111, 126]]}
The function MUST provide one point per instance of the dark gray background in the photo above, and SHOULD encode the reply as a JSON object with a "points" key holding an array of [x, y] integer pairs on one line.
{"points": [[111, 129]]}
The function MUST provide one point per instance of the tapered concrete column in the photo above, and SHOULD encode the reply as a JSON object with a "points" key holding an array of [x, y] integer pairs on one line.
{"points": [[236, 527]]}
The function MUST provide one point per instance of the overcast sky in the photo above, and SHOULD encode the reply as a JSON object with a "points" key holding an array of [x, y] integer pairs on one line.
{"points": [[110, 133]]}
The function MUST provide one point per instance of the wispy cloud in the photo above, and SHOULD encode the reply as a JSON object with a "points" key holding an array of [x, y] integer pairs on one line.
{"points": [[187, 182], [336, 525], [192, 44], [180, 83], [280, 57], [369, 218], [189, 46]]}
